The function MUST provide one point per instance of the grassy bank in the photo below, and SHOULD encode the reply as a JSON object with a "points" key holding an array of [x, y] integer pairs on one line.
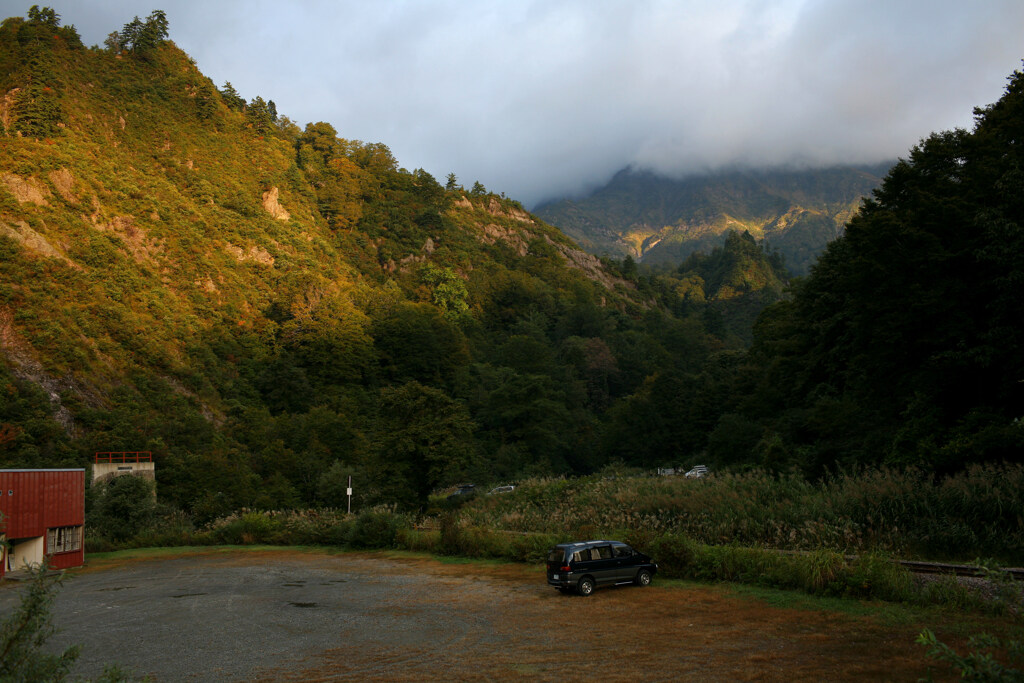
{"points": [[908, 513], [823, 572]]}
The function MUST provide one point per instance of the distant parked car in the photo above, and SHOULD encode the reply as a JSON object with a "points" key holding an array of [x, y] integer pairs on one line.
{"points": [[583, 566], [502, 489], [697, 472], [463, 490]]}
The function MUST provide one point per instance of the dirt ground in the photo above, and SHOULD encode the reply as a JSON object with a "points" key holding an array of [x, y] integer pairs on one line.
{"points": [[287, 616]]}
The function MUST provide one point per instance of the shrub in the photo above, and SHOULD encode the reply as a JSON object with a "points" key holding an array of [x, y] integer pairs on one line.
{"points": [[427, 541], [876, 575], [675, 554], [450, 534], [531, 547], [1007, 594], [735, 563], [480, 542], [95, 543], [24, 633], [122, 507], [824, 572], [947, 591], [247, 529], [980, 663], [375, 529], [338, 532]]}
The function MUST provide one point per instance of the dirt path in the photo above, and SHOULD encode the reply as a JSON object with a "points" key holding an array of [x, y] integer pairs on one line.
{"points": [[285, 616]]}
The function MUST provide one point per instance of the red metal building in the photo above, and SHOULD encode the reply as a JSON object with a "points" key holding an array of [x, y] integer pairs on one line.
{"points": [[42, 513]]}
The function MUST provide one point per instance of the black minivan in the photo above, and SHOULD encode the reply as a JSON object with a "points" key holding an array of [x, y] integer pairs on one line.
{"points": [[586, 565]]}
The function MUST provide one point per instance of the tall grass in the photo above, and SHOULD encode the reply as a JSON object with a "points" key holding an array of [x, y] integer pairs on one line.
{"points": [[910, 513], [373, 528]]}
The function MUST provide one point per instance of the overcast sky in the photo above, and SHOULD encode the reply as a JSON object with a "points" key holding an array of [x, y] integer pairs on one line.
{"points": [[544, 98]]}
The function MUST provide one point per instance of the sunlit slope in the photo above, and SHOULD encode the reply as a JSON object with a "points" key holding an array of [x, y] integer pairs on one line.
{"points": [[153, 218]]}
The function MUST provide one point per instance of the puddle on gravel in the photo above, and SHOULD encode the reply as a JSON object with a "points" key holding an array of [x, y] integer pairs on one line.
{"points": [[302, 604], [188, 595], [115, 588]]}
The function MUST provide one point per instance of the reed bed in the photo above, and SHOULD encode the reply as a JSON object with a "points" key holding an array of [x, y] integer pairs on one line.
{"points": [[910, 513]]}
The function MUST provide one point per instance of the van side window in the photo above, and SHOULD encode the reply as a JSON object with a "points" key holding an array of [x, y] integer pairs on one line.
{"points": [[578, 555], [603, 552], [622, 551]]}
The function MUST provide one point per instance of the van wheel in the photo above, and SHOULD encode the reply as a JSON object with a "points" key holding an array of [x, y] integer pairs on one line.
{"points": [[585, 587], [643, 578]]}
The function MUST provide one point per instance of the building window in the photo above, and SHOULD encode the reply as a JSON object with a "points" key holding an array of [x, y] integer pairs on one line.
{"points": [[63, 539]]}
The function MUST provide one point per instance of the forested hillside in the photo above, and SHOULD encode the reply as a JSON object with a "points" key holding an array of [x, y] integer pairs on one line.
{"points": [[905, 343], [271, 308], [662, 220]]}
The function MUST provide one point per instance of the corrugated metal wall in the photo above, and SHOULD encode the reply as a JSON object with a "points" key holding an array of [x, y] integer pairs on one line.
{"points": [[32, 501]]}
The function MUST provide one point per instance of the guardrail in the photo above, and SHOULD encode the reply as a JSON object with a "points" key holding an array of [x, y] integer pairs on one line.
{"points": [[124, 456], [958, 569]]}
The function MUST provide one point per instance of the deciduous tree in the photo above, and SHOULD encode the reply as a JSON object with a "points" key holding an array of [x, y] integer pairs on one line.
{"points": [[425, 440]]}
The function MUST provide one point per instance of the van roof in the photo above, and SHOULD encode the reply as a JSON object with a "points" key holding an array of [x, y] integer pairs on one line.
{"points": [[578, 544]]}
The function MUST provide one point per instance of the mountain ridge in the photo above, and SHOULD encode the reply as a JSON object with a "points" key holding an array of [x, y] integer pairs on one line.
{"points": [[660, 219]]}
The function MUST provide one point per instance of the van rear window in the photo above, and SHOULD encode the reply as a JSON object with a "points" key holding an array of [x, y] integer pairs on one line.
{"points": [[555, 555]]}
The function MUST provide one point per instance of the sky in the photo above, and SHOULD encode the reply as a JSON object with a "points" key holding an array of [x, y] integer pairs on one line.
{"points": [[541, 99]]}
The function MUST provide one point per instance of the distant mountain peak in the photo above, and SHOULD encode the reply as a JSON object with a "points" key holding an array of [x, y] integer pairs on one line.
{"points": [[657, 218]]}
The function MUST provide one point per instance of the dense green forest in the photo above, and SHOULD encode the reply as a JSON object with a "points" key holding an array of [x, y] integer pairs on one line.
{"points": [[270, 309]]}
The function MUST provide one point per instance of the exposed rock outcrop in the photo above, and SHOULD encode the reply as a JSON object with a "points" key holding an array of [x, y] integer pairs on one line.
{"points": [[33, 241], [64, 182], [495, 208], [254, 253], [519, 238], [26, 367], [134, 237], [273, 206], [7, 108], [26, 189], [493, 232]]}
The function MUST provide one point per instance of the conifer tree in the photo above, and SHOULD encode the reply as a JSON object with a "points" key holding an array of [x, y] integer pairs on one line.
{"points": [[140, 37], [231, 97], [38, 108], [44, 15], [258, 115]]}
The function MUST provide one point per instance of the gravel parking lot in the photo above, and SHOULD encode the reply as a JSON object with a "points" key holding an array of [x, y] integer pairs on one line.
{"points": [[304, 616]]}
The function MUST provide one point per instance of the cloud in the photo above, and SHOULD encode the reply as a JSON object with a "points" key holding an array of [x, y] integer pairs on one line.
{"points": [[542, 98]]}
